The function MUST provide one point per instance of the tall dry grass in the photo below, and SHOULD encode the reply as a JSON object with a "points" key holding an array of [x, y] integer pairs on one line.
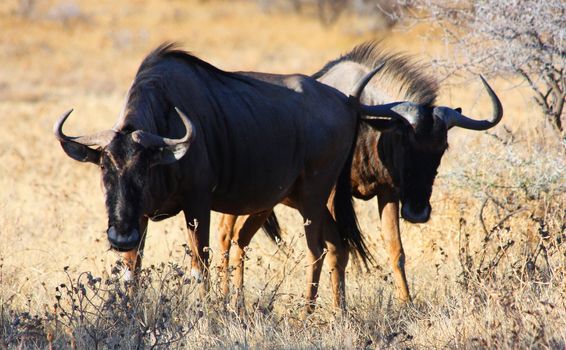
{"points": [[487, 271]]}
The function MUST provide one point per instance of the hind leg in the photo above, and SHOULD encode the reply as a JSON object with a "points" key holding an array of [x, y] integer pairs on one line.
{"points": [[337, 260], [313, 216], [321, 233], [244, 230]]}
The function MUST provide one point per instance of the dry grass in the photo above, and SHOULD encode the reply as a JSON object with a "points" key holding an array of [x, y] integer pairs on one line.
{"points": [[488, 271]]}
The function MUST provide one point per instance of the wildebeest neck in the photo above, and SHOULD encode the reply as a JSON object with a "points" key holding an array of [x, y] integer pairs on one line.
{"points": [[368, 171]]}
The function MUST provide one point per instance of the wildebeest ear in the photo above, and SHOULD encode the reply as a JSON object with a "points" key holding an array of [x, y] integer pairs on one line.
{"points": [[80, 152], [169, 154], [381, 124], [459, 110]]}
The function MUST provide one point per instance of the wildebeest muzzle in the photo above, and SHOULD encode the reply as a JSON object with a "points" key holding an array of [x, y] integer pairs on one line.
{"points": [[123, 242], [416, 214]]}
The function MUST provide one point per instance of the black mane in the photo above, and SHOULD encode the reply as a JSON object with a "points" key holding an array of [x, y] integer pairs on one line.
{"points": [[171, 50], [413, 83], [151, 94]]}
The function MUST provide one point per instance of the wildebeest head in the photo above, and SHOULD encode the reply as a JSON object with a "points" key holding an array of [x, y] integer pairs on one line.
{"points": [[125, 159], [416, 151], [417, 144]]}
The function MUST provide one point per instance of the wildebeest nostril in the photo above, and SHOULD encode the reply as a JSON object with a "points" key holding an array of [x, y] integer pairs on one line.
{"points": [[112, 234], [123, 242]]}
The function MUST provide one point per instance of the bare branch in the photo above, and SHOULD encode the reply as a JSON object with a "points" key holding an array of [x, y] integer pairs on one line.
{"points": [[505, 37]]}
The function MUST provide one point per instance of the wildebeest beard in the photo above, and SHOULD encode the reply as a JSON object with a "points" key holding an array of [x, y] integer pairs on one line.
{"points": [[125, 168]]}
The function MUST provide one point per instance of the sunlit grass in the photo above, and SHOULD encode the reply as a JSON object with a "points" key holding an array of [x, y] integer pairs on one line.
{"points": [[472, 288]]}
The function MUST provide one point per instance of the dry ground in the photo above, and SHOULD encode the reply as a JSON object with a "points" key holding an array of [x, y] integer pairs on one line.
{"points": [[487, 270]]}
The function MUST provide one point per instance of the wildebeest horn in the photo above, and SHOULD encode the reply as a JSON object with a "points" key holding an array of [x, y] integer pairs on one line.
{"points": [[168, 150], [453, 118], [357, 92], [99, 139], [390, 110], [395, 110], [149, 140]]}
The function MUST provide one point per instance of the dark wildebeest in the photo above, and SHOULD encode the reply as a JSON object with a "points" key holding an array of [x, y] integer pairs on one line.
{"points": [[251, 141], [397, 165]]}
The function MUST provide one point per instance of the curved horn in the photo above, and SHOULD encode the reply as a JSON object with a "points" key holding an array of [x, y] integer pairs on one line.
{"points": [[99, 139], [453, 118], [397, 110], [359, 88], [58, 127], [78, 148], [189, 128], [148, 140]]}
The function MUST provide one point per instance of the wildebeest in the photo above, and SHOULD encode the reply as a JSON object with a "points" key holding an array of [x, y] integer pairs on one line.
{"points": [[247, 142], [395, 165]]}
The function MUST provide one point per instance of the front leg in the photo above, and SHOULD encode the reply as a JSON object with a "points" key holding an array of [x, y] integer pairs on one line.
{"points": [[388, 203], [244, 230], [133, 259], [198, 229], [226, 231]]}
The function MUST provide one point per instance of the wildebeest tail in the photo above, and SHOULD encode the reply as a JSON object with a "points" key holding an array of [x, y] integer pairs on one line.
{"points": [[272, 228], [345, 215]]}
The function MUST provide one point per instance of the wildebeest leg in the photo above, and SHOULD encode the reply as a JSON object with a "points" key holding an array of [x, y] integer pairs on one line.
{"points": [[245, 229], [198, 227], [133, 258], [315, 255], [226, 231], [388, 203], [337, 258]]}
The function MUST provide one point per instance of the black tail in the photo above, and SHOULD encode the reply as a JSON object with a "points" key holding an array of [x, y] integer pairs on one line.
{"points": [[272, 228], [346, 216]]}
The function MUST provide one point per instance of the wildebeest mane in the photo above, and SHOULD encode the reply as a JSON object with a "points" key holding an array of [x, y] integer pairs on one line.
{"points": [[402, 77], [151, 93], [172, 50]]}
